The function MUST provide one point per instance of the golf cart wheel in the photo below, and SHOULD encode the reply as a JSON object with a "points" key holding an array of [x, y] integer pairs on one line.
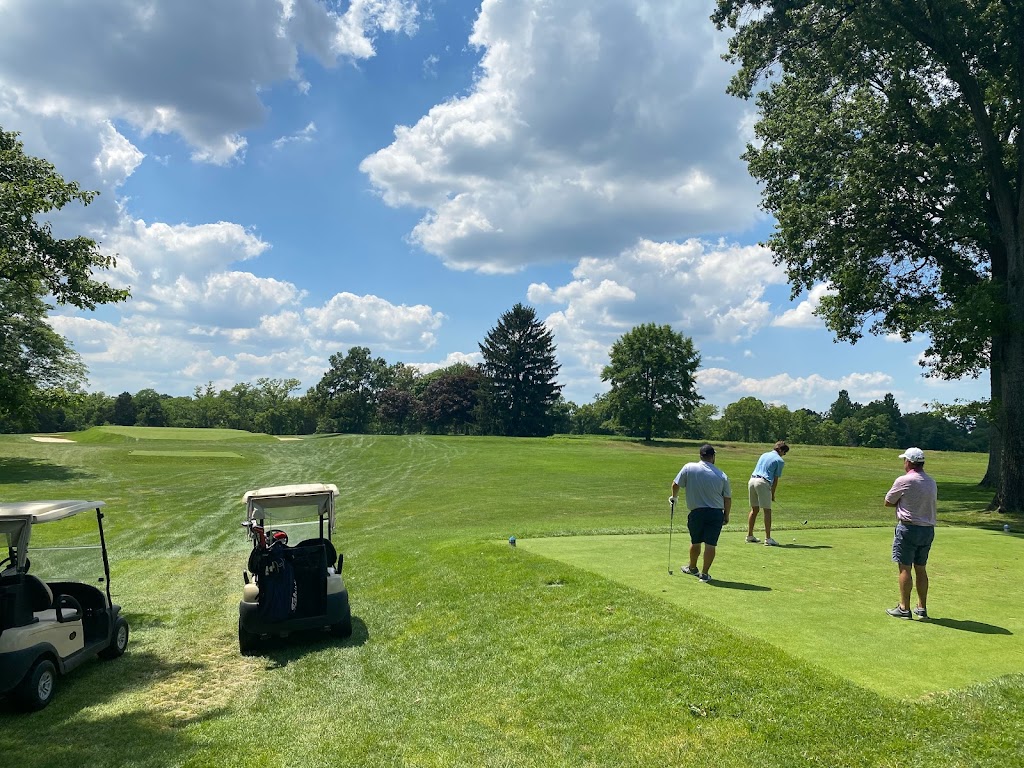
{"points": [[247, 641], [37, 689], [343, 628], [119, 642]]}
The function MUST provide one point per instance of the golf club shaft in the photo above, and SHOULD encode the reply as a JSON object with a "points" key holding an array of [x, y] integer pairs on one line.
{"points": [[671, 520]]}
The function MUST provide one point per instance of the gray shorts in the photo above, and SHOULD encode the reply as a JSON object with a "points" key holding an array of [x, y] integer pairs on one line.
{"points": [[760, 492], [912, 543]]}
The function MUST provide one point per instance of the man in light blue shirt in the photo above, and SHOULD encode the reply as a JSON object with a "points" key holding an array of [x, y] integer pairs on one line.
{"points": [[761, 489], [709, 499]]}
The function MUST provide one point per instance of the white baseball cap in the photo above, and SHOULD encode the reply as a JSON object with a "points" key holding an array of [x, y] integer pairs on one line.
{"points": [[913, 455]]}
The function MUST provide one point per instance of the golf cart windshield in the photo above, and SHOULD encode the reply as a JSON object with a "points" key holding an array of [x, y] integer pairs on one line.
{"points": [[73, 549], [293, 506]]}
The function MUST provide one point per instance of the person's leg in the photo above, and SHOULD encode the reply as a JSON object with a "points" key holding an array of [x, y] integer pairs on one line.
{"points": [[906, 585], [921, 572], [751, 519], [767, 523], [694, 554], [709, 557]]}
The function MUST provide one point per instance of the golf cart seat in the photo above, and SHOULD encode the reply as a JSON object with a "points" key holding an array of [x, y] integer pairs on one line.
{"points": [[40, 596], [329, 551]]}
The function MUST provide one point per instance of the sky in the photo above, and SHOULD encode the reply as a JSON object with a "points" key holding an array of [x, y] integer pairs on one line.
{"points": [[282, 180]]}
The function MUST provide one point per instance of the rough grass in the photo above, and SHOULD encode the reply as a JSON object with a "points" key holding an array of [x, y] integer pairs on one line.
{"points": [[465, 650]]}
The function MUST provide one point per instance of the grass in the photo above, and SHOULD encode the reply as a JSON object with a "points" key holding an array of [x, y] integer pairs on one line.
{"points": [[469, 652]]}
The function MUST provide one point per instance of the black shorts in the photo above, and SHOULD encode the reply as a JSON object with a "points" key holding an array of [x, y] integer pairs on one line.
{"points": [[912, 543], [705, 525]]}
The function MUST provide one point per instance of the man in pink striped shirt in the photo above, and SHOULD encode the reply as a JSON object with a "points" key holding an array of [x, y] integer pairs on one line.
{"points": [[914, 494]]}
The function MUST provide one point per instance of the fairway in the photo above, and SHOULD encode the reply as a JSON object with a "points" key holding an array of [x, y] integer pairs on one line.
{"points": [[575, 649], [822, 596]]}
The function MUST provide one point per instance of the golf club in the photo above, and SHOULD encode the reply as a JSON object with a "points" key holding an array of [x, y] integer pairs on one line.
{"points": [[671, 519]]}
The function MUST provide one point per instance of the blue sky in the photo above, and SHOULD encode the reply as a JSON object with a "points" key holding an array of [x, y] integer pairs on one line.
{"points": [[282, 180]]}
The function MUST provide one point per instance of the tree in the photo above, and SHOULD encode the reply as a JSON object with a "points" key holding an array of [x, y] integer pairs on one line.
{"points": [[891, 153], [651, 369], [843, 408], [591, 418], [746, 420], [347, 393], [520, 368], [124, 410], [149, 409], [450, 398], [38, 368]]}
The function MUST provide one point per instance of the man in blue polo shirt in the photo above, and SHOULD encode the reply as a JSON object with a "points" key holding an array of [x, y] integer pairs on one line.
{"points": [[761, 489], [709, 499]]}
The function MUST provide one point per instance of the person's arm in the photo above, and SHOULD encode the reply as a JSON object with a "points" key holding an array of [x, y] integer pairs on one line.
{"points": [[775, 484], [892, 498], [675, 490], [727, 501]]}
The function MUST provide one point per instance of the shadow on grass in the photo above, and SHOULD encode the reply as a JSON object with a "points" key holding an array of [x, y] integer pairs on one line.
{"points": [[280, 651], [740, 585], [971, 626], [32, 470], [60, 735], [805, 546]]}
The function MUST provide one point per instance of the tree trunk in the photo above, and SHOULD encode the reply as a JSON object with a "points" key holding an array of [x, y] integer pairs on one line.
{"points": [[1011, 465], [995, 440]]}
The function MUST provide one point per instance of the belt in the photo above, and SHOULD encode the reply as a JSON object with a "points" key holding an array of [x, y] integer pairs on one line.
{"points": [[762, 477]]}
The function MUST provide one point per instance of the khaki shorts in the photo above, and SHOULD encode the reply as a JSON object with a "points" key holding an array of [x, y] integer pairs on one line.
{"points": [[760, 492]]}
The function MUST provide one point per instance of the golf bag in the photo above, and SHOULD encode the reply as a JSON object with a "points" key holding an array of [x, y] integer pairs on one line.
{"points": [[276, 579]]}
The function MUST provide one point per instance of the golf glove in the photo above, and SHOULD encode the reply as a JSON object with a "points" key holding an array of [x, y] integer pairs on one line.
{"points": [[672, 500]]}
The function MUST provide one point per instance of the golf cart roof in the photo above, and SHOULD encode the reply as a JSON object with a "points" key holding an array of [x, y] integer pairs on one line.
{"points": [[46, 511], [312, 494]]}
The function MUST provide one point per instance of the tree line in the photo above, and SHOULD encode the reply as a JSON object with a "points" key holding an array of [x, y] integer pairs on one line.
{"points": [[513, 393]]}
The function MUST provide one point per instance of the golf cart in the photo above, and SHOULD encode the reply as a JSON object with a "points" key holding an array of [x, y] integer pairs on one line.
{"points": [[50, 625], [289, 587]]}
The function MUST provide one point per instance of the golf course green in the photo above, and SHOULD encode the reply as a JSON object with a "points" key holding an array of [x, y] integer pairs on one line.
{"points": [[821, 596]]}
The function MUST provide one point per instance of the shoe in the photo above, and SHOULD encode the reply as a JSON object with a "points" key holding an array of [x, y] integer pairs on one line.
{"points": [[770, 542], [899, 613], [752, 540], [690, 571], [921, 613], [704, 577]]}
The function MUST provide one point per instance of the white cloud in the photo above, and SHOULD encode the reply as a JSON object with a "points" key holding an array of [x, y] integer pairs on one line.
{"points": [[721, 385], [192, 69], [299, 137], [802, 315], [707, 291], [453, 358], [570, 144]]}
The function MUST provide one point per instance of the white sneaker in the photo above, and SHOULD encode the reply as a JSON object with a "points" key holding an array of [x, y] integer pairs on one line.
{"points": [[770, 542], [752, 540]]}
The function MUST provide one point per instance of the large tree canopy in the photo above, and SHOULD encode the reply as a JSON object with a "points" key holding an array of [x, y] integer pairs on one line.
{"points": [[890, 146], [520, 368], [37, 366], [651, 370], [30, 187]]}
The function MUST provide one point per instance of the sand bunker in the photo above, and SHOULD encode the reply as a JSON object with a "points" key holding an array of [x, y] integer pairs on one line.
{"points": [[289, 438], [52, 440]]}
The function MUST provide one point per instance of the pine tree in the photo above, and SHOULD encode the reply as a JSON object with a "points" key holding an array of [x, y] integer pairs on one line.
{"points": [[520, 368]]}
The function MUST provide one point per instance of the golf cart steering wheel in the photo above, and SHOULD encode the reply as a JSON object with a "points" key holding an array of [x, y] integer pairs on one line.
{"points": [[7, 559], [271, 535]]}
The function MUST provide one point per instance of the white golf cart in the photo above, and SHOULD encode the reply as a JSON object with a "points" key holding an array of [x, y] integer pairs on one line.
{"points": [[291, 586], [50, 625]]}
